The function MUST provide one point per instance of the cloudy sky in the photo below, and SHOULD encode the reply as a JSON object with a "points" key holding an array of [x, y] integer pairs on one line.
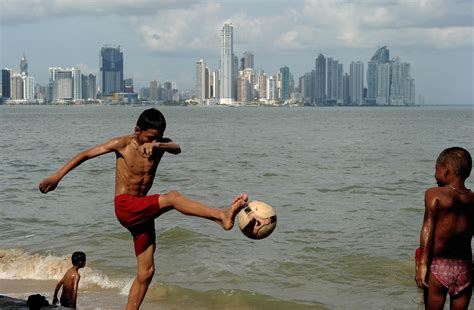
{"points": [[162, 39]]}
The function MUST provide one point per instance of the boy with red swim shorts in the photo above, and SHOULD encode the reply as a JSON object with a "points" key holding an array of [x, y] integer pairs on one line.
{"points": [[445, 259], [137, 159]]}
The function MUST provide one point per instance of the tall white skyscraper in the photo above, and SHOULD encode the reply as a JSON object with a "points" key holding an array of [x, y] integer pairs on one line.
{"points": [[200, 88], [77, 83], [16, 86], [334, 80], [356, 83], [402, 87], [271, 88], [383, 84], [28, 87], [227, 58]]}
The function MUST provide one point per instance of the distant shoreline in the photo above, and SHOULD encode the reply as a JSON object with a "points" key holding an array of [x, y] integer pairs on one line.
{"points": [[244, 106]]}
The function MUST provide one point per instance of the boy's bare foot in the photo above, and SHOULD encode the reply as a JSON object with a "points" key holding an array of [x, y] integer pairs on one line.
{"points": [[238, 204]]}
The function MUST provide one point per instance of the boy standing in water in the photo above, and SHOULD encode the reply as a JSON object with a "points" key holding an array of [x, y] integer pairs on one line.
{"points": [[70, 282], [137, 158], [445, 263]]}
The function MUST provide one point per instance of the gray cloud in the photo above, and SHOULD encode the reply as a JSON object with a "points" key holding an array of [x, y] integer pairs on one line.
{"points": [[15, 12]]}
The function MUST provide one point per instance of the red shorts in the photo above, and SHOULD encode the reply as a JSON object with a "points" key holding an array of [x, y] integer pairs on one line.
{"points": [[138, 214], [454, 274]]}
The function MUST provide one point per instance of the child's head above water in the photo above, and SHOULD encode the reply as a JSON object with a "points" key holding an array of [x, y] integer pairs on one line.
{"points": [[458, 158], [78, 259]]}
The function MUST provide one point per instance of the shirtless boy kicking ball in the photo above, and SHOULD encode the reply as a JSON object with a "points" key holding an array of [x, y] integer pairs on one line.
{"points": [[445, 263], [137, 158]]}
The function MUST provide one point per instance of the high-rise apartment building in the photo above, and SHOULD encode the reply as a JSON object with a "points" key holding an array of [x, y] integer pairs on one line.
{"points": [[346, 98], [89, 86], [356, 83], [306, 86], [200, 88], [6, 88], [262, 86], [320, 80], [153, 90], [380, 57], [248, 60], [16, 86], [215, 84], [111, 70], [63, 85], [243, 89], [334, 81], [77, 83], [402, 87], [227, 64], [285, 83], [28, 87], [271, 88], [383, 84]]}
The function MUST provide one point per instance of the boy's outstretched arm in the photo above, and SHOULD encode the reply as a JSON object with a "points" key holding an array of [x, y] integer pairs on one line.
{"points": [[427, 236], [50, 183], [165, 145]]}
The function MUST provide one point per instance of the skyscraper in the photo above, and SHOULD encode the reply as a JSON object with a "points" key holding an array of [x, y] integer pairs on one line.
{"points": [[63, 85], [346, 97], [285, 83], [77, 83], [320, 79], [153, 90], [262, 86], [380, 57], [16, 84], [28, 87], [248, 60], [356, 83], [111, 70], [402, 87], [383, 84], [200, 88], [227, 60], [334, 81], [89, 88], [23, 65], [6, 76]]}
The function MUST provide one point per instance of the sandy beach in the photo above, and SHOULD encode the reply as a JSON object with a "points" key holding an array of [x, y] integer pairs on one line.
{"points": [[14, 293]]}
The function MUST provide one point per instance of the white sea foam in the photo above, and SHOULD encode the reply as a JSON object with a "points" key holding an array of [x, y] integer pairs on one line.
{"points": [[17, 264]]}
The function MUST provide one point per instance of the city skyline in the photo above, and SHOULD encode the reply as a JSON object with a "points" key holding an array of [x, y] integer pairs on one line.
{"points": [[432, 43]]}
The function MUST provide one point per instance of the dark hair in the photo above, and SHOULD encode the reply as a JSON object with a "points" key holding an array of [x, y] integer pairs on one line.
{"points": [[77, 258], [152, 118], [36, 302], [458, 158]]}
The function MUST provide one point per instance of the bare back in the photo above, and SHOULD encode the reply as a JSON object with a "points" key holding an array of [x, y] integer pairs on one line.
{"points": [[454, 224], [70, 285], [134, 174]]}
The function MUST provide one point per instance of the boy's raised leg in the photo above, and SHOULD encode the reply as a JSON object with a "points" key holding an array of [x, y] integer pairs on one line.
{"points": [[223, 217], [145, 271]]}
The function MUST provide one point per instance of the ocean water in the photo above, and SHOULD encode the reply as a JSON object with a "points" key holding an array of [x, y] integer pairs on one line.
{"points": [[347, 185]]}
